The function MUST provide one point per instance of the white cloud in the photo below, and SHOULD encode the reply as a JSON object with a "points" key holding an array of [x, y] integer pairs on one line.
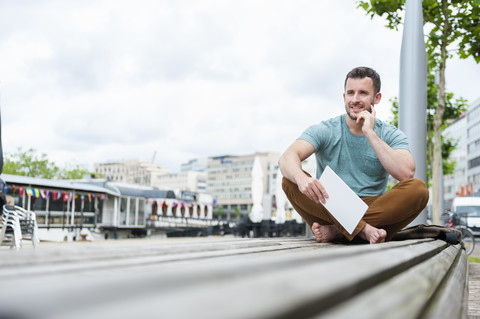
{"points": [[109, 80]]}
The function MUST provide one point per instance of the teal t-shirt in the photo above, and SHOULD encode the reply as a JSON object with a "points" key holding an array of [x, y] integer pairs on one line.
{"points": [[351, 156]]}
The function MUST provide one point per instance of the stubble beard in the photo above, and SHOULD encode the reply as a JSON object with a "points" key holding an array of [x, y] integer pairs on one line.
{"points": [[354, 118], [349, 112]]}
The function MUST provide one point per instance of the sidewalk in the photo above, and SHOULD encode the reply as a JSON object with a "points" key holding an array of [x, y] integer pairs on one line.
{"points": [[474, 285]]}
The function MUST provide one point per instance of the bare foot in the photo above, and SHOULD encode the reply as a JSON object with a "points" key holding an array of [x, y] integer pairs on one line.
{"points": [[372, 234], [325, 233]]}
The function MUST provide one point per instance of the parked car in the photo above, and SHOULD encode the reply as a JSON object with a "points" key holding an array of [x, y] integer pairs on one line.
{"points": [[468, 207]]}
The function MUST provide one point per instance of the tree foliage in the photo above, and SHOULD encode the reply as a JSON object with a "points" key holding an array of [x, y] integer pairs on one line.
{"points": [[237, 212], [29, 163], [74, 172], [454, 22], [219, 211]]}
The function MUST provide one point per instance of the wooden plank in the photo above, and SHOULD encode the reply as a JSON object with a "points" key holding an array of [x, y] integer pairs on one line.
{"points": [[124, 254], [407, 294], [451, 300], [245, 279]]}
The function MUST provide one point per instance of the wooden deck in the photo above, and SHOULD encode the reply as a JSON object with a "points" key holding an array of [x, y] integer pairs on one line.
{"points": [[226, 277]]}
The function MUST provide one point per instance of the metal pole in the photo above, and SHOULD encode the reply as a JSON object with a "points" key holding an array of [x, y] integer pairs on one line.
{"points": [[412, 113]]}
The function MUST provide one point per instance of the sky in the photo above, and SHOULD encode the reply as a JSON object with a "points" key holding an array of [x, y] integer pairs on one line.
{"points": [[98, 81]]}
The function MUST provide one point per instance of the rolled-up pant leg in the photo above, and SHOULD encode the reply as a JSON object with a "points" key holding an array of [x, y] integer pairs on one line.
{"points": [[398, 207], [391, 211], [309, 210]]}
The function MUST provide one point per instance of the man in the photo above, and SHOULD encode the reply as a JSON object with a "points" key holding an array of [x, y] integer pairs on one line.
{"points": [[363, 151]]}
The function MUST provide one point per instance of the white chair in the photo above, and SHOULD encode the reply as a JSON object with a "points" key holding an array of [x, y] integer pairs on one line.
{"points": [[28, 223], [11, 232]]}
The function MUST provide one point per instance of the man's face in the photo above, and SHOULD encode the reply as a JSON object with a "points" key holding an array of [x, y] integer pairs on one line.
{"points": [[359, 96]]}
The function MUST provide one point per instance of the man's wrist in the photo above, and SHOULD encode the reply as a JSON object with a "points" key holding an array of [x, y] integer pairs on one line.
{"points": [[299, 177], [369, 133]]}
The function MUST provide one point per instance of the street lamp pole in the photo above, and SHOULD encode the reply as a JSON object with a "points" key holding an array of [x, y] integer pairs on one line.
{"points": [[412, 112]]}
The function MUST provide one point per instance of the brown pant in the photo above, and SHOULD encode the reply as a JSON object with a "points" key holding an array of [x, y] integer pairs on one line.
{"points": [[391, 211]]}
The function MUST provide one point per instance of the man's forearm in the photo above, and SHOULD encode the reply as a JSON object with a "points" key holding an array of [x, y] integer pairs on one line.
{"points": [[398, 163], [291, 167]]}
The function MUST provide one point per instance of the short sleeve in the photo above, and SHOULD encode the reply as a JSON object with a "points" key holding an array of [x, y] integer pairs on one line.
{"points": [[394, 137], [318, 135]]}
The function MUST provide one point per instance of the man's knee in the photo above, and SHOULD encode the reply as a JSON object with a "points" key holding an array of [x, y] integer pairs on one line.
{"points": [[288, 186], [420, 188], [417, 189]]}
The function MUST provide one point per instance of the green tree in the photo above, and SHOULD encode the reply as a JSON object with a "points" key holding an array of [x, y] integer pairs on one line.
{"points": [[237, 212], [219, 211], [74, 172], [29, 163], [454, 27]]}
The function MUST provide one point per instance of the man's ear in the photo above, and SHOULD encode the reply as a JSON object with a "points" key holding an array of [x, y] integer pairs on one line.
{"points": [[378, 97]]}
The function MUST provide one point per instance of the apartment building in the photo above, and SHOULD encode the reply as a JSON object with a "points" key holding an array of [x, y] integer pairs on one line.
{"points": [[133, 172], [466, 178], [453, 183], [186, 180], [473, 145], [195, 165], [229, 179]]}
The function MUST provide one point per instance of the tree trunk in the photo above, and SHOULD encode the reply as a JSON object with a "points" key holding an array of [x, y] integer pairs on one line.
{"points": [[437, 123], [436, 166]]}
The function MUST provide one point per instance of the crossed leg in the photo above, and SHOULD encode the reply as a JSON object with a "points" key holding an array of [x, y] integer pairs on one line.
{"points": [[387, 214]]}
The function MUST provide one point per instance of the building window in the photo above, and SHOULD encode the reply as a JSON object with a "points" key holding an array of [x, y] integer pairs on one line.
{"points": [[474, 162]]}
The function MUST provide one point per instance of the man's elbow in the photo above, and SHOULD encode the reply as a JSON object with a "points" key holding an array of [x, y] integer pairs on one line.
{"points": [[282, 161], [407, 174]]}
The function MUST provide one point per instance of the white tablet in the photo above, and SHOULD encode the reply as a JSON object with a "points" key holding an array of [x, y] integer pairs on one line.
{"points": [[347, 208]]}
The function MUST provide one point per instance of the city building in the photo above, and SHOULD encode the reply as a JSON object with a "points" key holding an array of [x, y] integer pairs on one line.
{"points": [[466, 178], [191, 178], [229, 180], [453, 183], [195, 165], [134, 172], [193, 181], [473, 146]]}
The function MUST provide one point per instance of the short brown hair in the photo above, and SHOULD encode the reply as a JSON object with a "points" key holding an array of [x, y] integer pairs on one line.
{"points": [[365, 72]]}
